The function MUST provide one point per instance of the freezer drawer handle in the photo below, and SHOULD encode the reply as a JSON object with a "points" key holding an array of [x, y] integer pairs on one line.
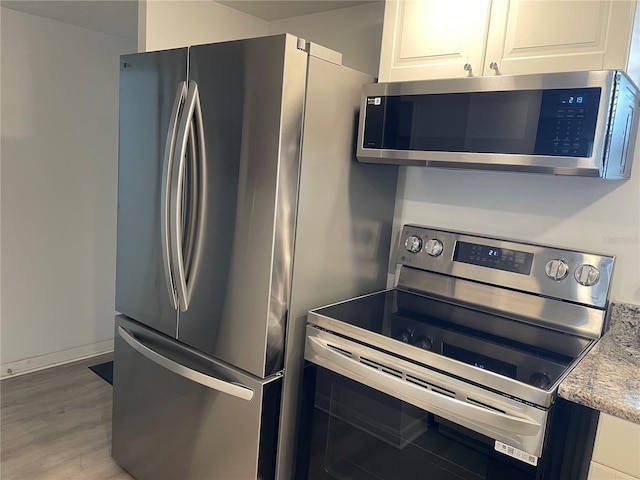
{"points": [[240, 391]]}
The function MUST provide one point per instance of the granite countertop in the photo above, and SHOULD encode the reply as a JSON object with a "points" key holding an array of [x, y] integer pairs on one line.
{"points": [[608, 377]]}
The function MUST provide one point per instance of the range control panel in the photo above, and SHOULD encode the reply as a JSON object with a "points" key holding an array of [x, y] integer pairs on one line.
{"points": [[576, 276], [493, 257]]}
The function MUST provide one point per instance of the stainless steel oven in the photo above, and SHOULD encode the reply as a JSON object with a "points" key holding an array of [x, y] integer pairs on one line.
{"points": [[454, 373]]}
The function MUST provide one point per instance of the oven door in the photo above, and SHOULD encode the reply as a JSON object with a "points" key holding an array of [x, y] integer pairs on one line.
{"points": [[365, 424]]}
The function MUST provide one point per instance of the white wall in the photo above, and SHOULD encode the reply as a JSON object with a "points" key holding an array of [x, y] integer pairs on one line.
{"points": [[356, 32], [1, 141], [59, 175], [166, 24], [581, 213]]}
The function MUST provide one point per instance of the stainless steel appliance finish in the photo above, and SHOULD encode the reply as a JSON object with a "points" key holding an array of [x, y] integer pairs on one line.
{"points": [[241, 207], [509, 125], [510, 421], [479, 331], [181, 422], [141, 290]]}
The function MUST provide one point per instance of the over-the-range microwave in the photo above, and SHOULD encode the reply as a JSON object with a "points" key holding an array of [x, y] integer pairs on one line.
{"points": [[575, 123]]}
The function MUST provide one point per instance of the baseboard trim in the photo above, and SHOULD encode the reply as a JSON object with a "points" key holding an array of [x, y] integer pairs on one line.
{"points": [[33, 364]]}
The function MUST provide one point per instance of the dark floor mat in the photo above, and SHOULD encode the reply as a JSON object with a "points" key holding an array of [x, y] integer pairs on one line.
{"points": [[104, 371]]}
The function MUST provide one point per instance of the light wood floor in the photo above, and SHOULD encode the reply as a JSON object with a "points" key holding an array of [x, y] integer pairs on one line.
{"points": [[56, 425]]}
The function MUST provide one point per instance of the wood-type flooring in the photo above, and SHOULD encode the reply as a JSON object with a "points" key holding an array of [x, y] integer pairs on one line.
{"points": [[56, 425]]}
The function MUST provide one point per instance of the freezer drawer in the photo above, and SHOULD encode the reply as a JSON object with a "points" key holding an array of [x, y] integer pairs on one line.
{"points": [[180, 414]]}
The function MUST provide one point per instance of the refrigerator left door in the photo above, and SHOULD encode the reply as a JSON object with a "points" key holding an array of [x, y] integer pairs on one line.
{"points": [[151, 87], [179, 414]]}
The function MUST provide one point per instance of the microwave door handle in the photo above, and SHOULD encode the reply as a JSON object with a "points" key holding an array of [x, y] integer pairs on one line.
{"points": [[423, 398], [167, 167], [237, 390], [177, 201]]}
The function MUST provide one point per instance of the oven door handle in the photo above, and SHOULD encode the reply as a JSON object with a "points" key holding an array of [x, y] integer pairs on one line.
{"points": [[321, 353]]}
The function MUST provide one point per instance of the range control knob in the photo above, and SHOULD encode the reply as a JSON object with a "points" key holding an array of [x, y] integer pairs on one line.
{"points": [[434, 247], [556, 269], [587, 275], [540, 380], [424, 342], [413, 244]]}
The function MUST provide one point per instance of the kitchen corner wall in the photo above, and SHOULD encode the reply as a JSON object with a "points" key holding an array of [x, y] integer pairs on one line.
{"points": [[356, 32], [58, 190], [578, 213], [166, 24]]}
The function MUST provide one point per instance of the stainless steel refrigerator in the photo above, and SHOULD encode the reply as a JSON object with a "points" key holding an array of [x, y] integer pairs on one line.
{"points": [[240, 207]]}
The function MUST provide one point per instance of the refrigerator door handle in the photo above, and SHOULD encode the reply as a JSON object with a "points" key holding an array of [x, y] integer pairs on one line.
{"points": [[237, 390], [197, 197], [167, 165], [178, 177]]}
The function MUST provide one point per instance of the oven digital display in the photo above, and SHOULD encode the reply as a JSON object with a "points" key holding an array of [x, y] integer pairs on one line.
{"points": [[493, 257], [480, 361]]}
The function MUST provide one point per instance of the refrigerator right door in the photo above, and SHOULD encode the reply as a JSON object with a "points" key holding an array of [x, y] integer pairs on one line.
{"points": [[152, 91], [251, 95]]}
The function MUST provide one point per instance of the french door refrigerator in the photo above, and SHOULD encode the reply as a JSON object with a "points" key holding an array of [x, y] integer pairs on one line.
{"points": [[240, 207]]}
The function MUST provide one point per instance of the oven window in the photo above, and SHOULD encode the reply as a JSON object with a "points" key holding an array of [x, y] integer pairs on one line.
{"points": [[359, 433]]}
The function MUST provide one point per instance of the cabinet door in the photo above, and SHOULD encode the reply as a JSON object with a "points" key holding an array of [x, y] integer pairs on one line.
{"points": [[600, 472], [534, 36], [425, 39], [618, 445]]}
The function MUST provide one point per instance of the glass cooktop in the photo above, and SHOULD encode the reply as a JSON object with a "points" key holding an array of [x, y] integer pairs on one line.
{"points": [[531, 354]]}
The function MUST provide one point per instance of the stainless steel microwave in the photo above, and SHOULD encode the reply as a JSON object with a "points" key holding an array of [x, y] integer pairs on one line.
{"points": [[576, 123]]}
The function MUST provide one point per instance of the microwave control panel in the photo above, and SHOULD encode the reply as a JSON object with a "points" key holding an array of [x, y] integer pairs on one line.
{"points": [[567, 122]]}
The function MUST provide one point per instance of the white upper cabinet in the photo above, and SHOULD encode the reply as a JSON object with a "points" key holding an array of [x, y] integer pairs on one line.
{"points": [[533, 36], [425, 39], [433, 38]]}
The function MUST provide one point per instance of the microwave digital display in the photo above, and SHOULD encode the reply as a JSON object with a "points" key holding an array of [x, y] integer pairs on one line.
{"points": [[555, 122]]}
